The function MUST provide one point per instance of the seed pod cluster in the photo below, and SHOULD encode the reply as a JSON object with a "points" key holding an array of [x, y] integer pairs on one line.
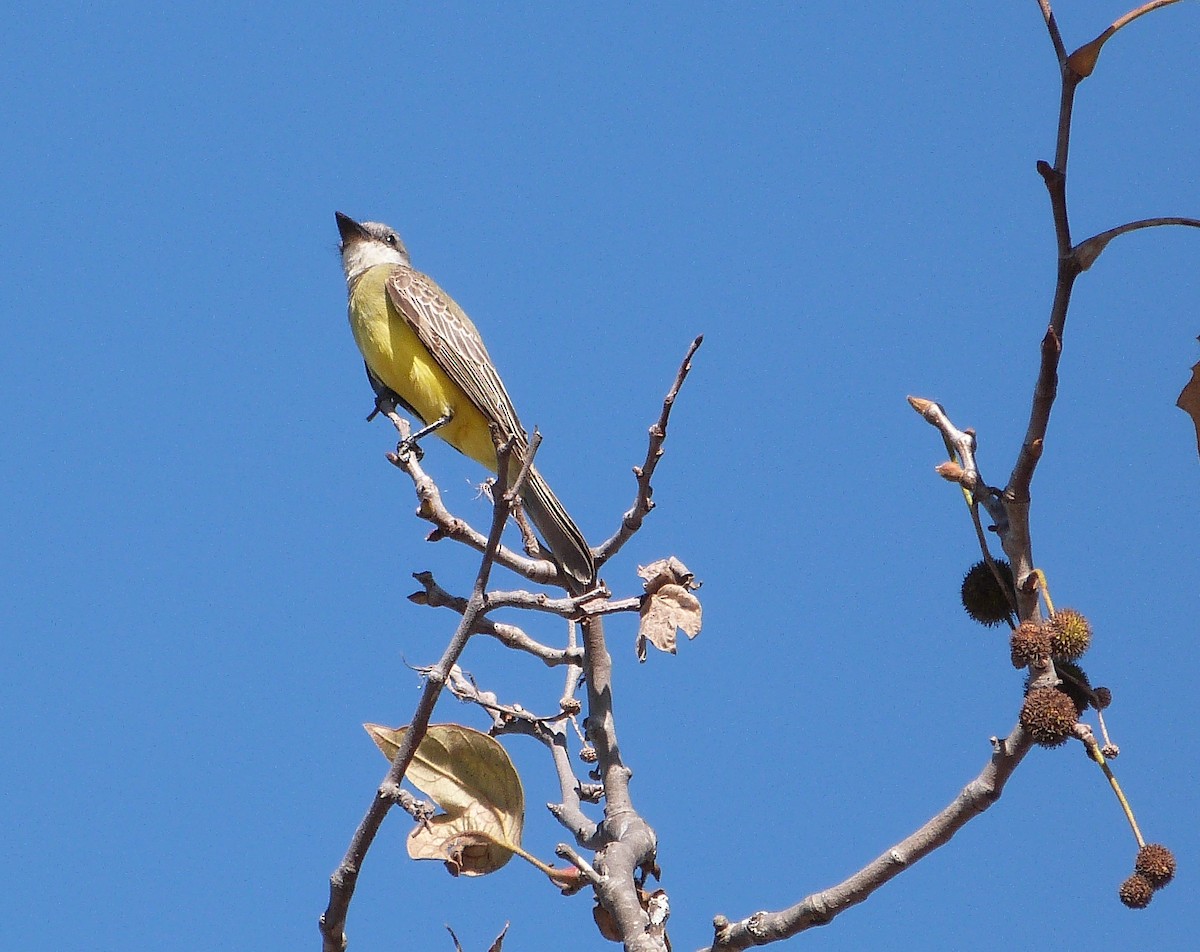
{"points": [[1153, 869], [1065, 637]]}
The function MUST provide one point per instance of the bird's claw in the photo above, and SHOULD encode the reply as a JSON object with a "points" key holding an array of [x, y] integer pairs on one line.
{"points": [[404, 447]]}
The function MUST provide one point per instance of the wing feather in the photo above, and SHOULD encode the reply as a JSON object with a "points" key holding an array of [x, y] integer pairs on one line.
{"points": [[455, 344]]}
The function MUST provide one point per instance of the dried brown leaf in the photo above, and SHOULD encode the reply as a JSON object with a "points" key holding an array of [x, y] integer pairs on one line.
{"points": [[664, 572], [470, 776], [669, 605], [1189, 401]]}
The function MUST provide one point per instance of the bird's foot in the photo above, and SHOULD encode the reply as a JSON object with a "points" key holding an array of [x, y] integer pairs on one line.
{"points": [[404, 447], [412, 443]]}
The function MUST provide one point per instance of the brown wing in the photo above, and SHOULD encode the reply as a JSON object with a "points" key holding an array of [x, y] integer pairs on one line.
{"points": [[454, 343]]}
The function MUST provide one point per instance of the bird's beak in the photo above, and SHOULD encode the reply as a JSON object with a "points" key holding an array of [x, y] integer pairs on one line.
{"points": [[349, 229]]}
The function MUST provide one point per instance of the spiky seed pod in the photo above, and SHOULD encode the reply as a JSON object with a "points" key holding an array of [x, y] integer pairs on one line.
{"points": [[1136, 892], [588, 754], [982, 596], [1103, 698], [1075, 684], [1070, 635], [1156, 864], [1049, 715], [1030, 643]]}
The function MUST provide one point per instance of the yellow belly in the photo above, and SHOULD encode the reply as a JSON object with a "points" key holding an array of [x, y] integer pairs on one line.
{"points": [[397, 357]]}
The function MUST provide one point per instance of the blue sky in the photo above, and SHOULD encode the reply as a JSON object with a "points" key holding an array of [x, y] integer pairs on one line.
{"points": [[206, 554]]}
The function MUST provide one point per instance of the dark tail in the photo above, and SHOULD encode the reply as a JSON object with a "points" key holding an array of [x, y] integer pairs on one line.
{"points": [[567, 545]]}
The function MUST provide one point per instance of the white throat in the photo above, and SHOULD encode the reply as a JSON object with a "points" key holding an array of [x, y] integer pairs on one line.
{"points": [[360, 256]]}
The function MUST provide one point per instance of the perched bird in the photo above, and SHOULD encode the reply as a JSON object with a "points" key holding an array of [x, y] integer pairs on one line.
{"points": [[422, 349]]}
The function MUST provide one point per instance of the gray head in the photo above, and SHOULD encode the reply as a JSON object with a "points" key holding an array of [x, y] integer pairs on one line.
{"points": [[366, 244]]}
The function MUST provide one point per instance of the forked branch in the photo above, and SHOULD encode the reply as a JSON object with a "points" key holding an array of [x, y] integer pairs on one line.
{"points": [[1009, 510]]}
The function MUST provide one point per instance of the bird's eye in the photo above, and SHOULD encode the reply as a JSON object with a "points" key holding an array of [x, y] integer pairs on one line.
{"points": [[391, 240]]}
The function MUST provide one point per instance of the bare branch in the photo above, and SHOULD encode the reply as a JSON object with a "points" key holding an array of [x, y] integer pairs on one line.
{"points": [[1014, 501], [1014, 531], [965, 470], [1017, 540], [820, 908], [610, 606], [568, 810], [627, 841], [462, 685], [418, 809], [569, 607], [341, 884], [643, 503], [1083, 60], [569, 854], [1088, 250], [1044, 392], [1052, 26], [437, 597]]}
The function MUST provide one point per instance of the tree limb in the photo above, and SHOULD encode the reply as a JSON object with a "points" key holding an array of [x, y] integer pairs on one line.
{"points": [[820, 908], [341, 884]]}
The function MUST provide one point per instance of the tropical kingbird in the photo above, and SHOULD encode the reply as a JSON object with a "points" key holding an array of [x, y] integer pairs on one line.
{"points": [[422, 349]]}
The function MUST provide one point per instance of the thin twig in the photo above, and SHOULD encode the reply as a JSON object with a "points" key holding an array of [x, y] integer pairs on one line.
{"points": [[569, 607], [965, 471], [1052, 26], [435, 596], [568, 853], [1088, 250], [419, 810], [1044, 392], [463, 686], [643, 503], [1017, 541], [1084, 733], [1140, 11]]}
